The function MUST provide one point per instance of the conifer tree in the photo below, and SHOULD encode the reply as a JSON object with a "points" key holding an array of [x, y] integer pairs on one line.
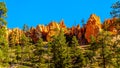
{"points": [[24, 50], [3, 11], [116, 9], [60, 57], [4, 47], [49, 53], [39, 54], [18, 53], [77, 57], [116, 51], [102, 50], [25, 27]]}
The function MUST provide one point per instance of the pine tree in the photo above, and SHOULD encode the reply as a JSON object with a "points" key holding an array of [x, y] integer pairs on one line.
{"points": [[60, 57], [39, 54], [116, 9], [102, 50], [24, 50], [12, 40], [74, 42], [83, 22], [4, 47], [25, 27], [3, 11], [18, 53], [77, 57], [49, 54], [116, 13], [116, 51]]}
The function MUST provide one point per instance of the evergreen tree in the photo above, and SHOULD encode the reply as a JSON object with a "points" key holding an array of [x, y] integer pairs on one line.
{"points": [[83, 22], [25, 27], [49, 53], [116, 51], [102, 50], [3, 11], [39, 54], [116, 9], [77, 57], [18, 53], [116, 13], [74, 42], [12, 39], [60, 57], [24, 50], [4, 47]]}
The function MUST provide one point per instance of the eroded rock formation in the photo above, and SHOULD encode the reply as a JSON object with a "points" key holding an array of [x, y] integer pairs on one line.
{"points": [[34, 34], [109, 25], [15, 35], [46, 32], [83, 34], [93, 27]]}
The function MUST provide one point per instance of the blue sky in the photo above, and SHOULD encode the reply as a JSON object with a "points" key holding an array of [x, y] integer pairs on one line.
{"points": [[34, 12]]}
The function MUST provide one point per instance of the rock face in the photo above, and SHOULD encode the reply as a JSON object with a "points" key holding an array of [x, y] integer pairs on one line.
{"points": [[43, 30], [6, 32], [62, 25], [93, 27], [109, 25], [46, 32], [74, 31], [83, 39], [54, 29], [34, 34], [15, 36], [78, 32]]}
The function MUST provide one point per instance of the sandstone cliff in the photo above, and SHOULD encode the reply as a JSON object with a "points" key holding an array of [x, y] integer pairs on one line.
{"points": [[93, 27], [83, 34], [109, 25], [15, 36], [51, 29]]}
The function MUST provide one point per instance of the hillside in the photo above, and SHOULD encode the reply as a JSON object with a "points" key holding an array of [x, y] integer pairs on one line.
{"points": [[94, 45]]}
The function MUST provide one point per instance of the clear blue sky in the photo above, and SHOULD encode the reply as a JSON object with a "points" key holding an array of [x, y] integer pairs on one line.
{"points": [[34, 12]]}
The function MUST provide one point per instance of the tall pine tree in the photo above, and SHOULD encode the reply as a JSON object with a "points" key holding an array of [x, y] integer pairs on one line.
{"points": [[77, 57], [60, 57]]}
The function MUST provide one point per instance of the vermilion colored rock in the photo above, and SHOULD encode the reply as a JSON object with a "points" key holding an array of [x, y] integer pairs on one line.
{"points": [[83, 34], [62, 25], [35, 34], [109, 25], [15, 35], [93, 27], [51, 29]]}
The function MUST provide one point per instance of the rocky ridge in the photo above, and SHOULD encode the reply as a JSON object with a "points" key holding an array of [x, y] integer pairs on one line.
{"points": [[83, 34]]}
